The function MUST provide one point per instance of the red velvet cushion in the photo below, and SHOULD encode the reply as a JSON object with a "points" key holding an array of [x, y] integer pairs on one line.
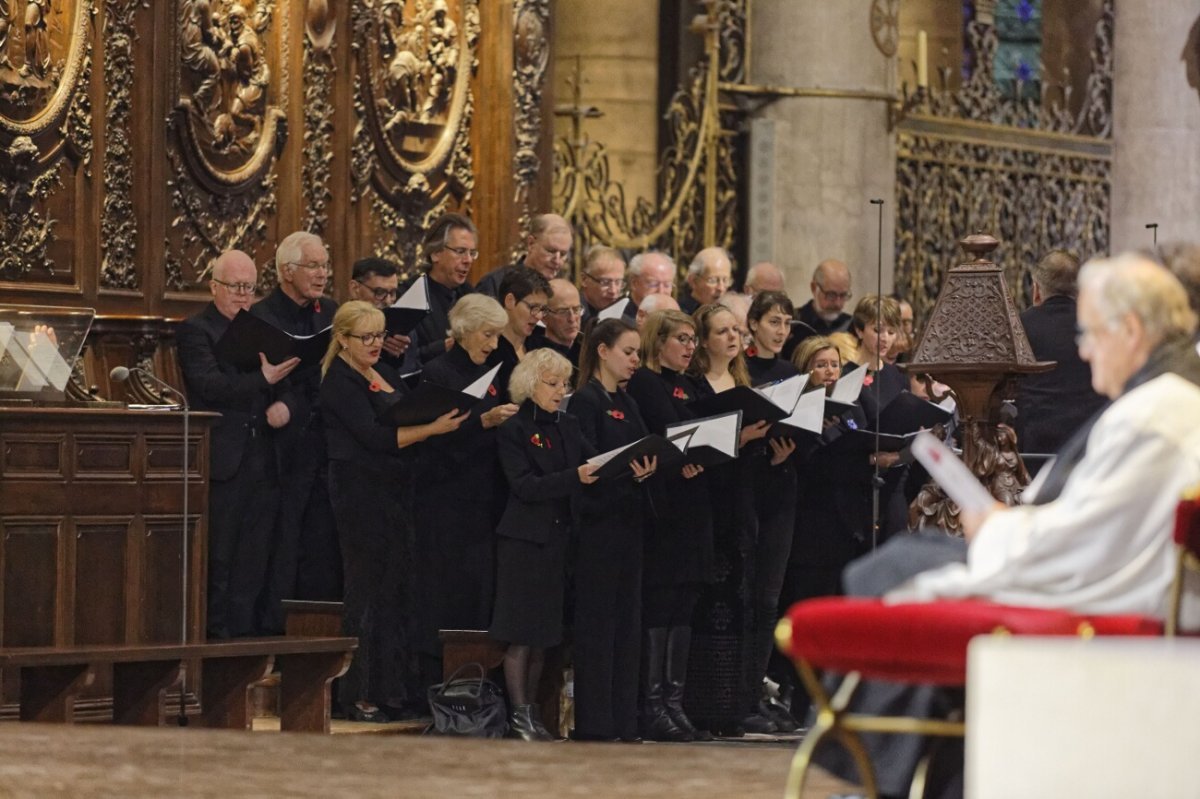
{"points": [[1125, 625], [917, 643]]}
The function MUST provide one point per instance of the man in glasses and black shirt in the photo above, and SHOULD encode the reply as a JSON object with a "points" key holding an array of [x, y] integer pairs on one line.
{"points": [[377, 281]]}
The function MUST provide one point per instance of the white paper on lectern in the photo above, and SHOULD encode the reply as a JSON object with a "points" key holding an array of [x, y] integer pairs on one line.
{"points": [[480, 386], [417, 296], [718, 432], [614, 311], [951, 474], [809, 413], [785, 393], [849, 386], [49, 362]]}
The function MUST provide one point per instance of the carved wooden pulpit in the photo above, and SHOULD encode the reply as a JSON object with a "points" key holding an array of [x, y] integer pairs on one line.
{"points": [[975, 344]]}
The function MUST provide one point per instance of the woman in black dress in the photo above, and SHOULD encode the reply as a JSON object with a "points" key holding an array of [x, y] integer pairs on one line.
{"points": [[370, 487], [608, 557], [773, 481], [525, 295], [460, 490], [542, 454], [678, 551]]}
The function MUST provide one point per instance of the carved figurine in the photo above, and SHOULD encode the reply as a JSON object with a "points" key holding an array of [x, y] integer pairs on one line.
{"points": [[5, 24], [37, 39], [442, 57], [404, 66]]}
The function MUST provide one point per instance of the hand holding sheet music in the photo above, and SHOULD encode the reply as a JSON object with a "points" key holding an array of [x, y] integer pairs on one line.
{"points": [[621, 461], [412, 306]]}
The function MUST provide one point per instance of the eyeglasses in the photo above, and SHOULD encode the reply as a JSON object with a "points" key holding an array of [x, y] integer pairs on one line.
{"points": [[236, 288], [563, 313], [713, 282], [369, 338], [380, 293], [686, 340], [536, 310], [463, 252], [311, 266], [555, 385], [657, 285], [606, 282], [835, 295]]}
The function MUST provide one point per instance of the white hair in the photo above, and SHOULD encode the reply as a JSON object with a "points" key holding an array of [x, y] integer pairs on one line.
{"points": [[1131, 284], [698, 264], [290, 250], [638, 261], [657, 302]]}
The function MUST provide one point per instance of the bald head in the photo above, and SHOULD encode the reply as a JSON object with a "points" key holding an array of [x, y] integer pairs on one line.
{"points": [[566, 312], [764, 276], [234, 276], [830, 288], [548, 245], [710, 274], [650, 273], [654, 302]]}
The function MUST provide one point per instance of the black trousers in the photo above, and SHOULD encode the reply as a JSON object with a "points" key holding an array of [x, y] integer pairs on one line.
{"points": [[241, 521], [775, 507], [608, 626]]}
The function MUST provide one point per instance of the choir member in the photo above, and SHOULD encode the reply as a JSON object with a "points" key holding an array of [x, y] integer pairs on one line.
{"points": [[678, 550], [564, 313], [773, 480], [455, 538], [305, 559], [377, 281], [542, 454], [244, 487], [608, 562], [525, 295], [370, 487], [719, 366], [450, 247]]}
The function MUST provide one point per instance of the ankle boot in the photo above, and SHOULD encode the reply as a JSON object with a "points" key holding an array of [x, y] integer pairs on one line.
{"points": [[535, 713], [521, 724], [657, 724], [679, 642]]}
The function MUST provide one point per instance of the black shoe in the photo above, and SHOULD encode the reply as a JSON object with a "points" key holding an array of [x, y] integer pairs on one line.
{"points": [[679, 641], [779, 714], [370, 714], [657, 723], [522, 724], [758, 725]]}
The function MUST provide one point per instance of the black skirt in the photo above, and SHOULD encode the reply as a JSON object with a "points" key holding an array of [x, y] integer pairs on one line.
{"points": [[529, 591]]}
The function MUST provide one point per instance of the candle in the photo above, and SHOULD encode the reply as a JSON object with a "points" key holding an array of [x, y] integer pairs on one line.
{"points": [[922, 60]]}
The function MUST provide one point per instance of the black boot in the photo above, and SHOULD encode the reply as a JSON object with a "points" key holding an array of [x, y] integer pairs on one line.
{"points": [[679, 642], [522, 724], [657, 724]]}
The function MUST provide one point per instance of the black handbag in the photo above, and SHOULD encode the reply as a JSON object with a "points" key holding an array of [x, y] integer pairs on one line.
{"points": [[469, 706]]}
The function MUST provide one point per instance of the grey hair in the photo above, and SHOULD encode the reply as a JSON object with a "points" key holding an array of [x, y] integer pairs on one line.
{"points": [[1056, 273], [290, 250], [1132, 284], [696, 267], [638, 261], [548, 223], [736, 302], [653, 302], [535, 366], [475, 312]]}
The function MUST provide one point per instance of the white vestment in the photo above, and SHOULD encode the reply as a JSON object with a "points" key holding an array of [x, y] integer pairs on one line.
{"points": [[1104, 545]]}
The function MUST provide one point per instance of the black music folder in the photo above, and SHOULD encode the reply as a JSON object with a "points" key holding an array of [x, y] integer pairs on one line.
{"points": [[428, 401], [248, 335], [407, 312], [908, 413], [615, 463], [753, 405]]}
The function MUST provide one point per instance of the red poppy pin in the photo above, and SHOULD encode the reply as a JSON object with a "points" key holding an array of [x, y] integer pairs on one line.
{"points": [[616, 414], [374, 385], [316, 306], [679, 393], [752, 351], [868, 380], [491, 390], [538, 441]]}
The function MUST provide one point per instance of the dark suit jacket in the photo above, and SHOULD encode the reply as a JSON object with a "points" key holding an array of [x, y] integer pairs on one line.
{"points": [[1051, 406], [489, 284], [348, 411], [240, 397], [541, 494], [429, 337]]}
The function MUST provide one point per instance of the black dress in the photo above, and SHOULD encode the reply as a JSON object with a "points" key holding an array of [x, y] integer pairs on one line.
{"points": [[459, 498], [608, 573], [855, 498], [370, 486], [540, 454]]}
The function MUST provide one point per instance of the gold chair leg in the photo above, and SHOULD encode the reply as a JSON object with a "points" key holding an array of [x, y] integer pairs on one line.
{"points": [[829, 723]]}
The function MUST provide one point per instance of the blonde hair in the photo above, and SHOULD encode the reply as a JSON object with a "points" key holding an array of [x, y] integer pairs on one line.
{"points": [[475, 312], [532, 368], [660, 326], [700, 361], [808, 349], [847, 346], [344, 321]]}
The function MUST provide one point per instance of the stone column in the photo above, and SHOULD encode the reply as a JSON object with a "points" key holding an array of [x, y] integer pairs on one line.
{"points": [[1156, 122], [831, 154]]}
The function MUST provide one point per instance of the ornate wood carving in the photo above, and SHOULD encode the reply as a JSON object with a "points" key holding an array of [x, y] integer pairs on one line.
{"points": [[413, 103], [319, 70], [531, 56], [45, 117], [230, 125]]}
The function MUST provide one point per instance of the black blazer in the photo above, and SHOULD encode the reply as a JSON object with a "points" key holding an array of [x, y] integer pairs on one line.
{"points": [[240, 397], [541, 492], [348, 410], [608, 422], [429, 337]]}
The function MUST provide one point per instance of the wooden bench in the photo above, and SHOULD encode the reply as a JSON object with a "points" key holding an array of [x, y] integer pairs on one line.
{"points": [[52, 677]]}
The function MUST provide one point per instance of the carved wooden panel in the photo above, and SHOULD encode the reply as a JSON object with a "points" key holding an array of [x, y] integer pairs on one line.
{"points": [[31, 456], [100, 559], [30, 549], [160, 567], [104, 457]]}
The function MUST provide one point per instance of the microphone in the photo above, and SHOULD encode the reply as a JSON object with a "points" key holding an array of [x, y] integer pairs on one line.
{"points": [[876, 202], [120, 374]]}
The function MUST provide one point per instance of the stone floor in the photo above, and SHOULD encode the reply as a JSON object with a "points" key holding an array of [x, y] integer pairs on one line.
{"points": [[101, 761]]}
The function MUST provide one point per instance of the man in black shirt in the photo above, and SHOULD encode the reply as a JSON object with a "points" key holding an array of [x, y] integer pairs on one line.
{"points": [[709, 276], [548, 248], [450, 247], [823, 314], [562, 322], [377, 281]]}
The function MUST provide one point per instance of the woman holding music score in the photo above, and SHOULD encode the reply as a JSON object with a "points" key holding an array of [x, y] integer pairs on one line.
{"points": [[719, 366], [370, 487], [456, 539], [678, 548], [543, 454], [876, 324], [608, 562], [773, 482]]}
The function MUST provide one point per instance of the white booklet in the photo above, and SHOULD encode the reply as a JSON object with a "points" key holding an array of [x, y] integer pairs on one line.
{"points": [[809, 412], [849, 386], [785, 393], [480, 386], [614, 311], [716, 434], [951, 474]]}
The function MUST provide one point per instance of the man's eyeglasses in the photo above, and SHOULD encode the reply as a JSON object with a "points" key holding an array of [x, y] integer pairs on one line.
{"points": [[536, 310], [463, 252], [713, 282], [687, 340], [236, 288], [311, 266], [835, 295], [369, 338], [563, 313], [657, 285], [606, 282], [381, 293]]}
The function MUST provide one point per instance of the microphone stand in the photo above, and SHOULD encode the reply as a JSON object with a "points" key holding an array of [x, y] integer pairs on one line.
{"points": [[877, 479], [1153, 226]]}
